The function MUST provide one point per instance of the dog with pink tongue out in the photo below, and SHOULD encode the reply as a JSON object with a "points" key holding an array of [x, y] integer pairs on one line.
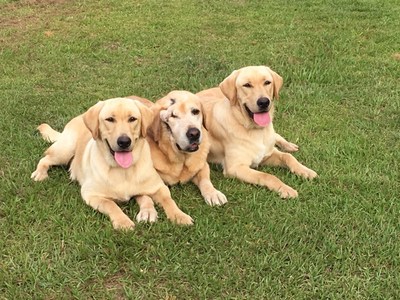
{"points": [[238, 116], [110, 158]]}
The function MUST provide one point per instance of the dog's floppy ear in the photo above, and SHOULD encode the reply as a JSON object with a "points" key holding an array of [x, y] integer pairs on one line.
{"points": [[204, 116], [91, 119], [228, 87], [155, 127], [147, 118], [278, 82], [160, 105]]}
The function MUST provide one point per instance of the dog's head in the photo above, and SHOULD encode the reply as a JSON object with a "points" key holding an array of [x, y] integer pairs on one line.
{"points": [[118, 124], [180, 114], [253, 89]]}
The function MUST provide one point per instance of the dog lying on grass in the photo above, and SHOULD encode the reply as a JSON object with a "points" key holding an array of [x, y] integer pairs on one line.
{"points": [[110, 158], [179, 143], [238, 116]]}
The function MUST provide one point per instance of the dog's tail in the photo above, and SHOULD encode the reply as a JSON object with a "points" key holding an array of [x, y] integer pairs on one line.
{"points": [[48, 133]]}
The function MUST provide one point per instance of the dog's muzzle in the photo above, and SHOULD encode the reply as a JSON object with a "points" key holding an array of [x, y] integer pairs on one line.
{"points": [[263, 104], [193, 135], [124, 142]]}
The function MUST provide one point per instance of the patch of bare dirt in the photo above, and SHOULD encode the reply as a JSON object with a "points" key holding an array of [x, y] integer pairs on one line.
{"points": [[396, 56], [22, 18], [113, 283]]}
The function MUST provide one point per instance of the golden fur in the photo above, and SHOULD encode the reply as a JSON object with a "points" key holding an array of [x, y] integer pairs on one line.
{"points": [[110, 160], [177, 158], [238, 116]]}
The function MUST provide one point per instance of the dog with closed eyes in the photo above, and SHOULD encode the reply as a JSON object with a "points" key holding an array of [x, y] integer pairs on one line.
{"points": [[110, 158], [179, 144], [238, 116]]}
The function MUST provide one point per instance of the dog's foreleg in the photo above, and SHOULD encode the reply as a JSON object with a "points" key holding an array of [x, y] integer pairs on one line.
{"points": [[287, 160], [147, 212], [245, 173], [163, 197], [210, 194], [108, 207], [285, 145]]}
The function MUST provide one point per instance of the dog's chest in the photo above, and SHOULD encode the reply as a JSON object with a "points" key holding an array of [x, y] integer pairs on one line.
{"points": [[262, 146], [136, 181], [175, 167], [123, 184], [180, 173]]}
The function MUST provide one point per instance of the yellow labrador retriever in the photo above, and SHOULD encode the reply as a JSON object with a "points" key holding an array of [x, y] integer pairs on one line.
{"points": [[110, 159], [179, 143], [238, 116]]}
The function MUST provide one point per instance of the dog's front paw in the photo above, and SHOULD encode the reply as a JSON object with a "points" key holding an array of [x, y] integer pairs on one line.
{"points": [[215, 198], [39, 175], [288, 146], [182, 219], [287, 192], [147, 215], [306, 173], [123, 223]]}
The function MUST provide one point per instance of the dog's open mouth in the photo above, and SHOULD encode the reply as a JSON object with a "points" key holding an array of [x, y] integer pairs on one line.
{"points": [[123, 158], [190, 148], [260, 118]]}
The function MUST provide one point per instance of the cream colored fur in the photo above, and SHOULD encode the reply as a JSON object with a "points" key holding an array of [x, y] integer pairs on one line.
{"points": [[238, 143], [90, 141]]}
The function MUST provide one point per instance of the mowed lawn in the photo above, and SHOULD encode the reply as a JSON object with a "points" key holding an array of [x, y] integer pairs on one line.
{"points": [[340, 102]]}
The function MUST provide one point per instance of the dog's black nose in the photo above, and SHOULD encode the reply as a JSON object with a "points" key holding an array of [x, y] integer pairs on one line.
{"points": [[124, 141], [263, 102], [193, 134]]}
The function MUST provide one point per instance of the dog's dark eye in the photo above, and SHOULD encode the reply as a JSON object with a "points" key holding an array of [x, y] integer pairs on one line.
{"points": [[131, 119], [195, 111], [248, 85], [110, 119], [173, 115], [172, 101], [267, 82]]}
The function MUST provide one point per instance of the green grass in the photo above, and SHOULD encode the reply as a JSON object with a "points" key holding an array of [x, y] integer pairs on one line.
{"points": [[341, 103]]}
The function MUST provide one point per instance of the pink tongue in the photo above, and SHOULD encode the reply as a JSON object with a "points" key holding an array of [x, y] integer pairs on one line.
{"points": [[124, 158], [262, 119]]}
